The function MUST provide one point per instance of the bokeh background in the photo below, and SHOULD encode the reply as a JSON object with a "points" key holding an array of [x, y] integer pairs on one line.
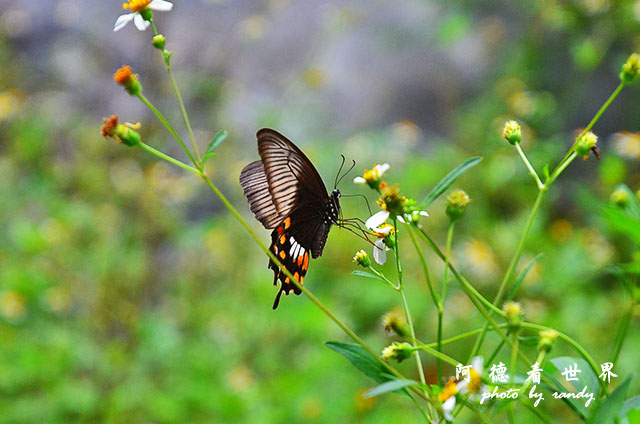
{"points": [[129, 294]]}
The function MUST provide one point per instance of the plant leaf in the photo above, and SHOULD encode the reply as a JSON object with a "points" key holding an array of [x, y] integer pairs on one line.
{"points": [[390, 386], [630, 412], [217, 140], [367, 274], [609, 409], [449, 179], [522, 275], [361, 359]]}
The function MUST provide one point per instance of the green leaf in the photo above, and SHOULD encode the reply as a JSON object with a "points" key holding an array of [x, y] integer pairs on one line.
{"points": [[217, 140], [449, 179], [610, 408], [367, 274], [586, 377], [618, 220], [633, 204], [630, 412], [361, 359], [390, 386], [522, 275]]}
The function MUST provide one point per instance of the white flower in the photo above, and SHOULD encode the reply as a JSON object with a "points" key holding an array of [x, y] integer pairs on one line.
{"points": [[380, 251], [372, 176], [138, 21], [447, 408], [472, 384], [412, 217], [376, 220]]}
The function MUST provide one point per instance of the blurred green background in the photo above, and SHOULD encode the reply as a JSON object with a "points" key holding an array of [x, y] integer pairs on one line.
{"points": [[129, 294]]}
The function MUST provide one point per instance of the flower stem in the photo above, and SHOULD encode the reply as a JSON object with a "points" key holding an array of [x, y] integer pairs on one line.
{"points": [[166, 123], [514, 358], [385, 279], [405, 305], [170, 159], [445, 279], [166, 56], [623, 330], [512, 265], [532, 171], [425, 268]]}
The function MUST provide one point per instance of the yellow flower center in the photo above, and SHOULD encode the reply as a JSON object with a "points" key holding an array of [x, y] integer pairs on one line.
{"points": [[450, 389], [383, 235], [475, 381], [136, 5]]}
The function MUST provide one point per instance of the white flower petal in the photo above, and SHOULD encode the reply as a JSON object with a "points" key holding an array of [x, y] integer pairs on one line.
{"points": [[477, 363], [122, 21], [463, 385], [161, 5], [359, 180], [401, 219], [448, 406], [380, 252], [382, 168], [377, 219], [140, 23], [424, 213]]}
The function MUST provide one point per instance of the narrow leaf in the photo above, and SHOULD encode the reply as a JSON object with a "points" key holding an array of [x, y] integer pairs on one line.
{"points": [[522, 275], [361, 359], [609, 409], [217, 140], [545, 171], [390, 386], [449, 179], [367, 274]]}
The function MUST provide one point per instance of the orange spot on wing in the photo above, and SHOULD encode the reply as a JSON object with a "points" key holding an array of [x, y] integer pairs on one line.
{"points": [[301, 279], [296, 276], [300, 260], [305, 266], [283, 254], [287, 280], [279, 230], [287, 222], [283, 239]]}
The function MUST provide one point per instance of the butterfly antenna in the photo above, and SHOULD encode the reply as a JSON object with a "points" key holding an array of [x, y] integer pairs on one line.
{"points": [[353, 165], [366, 201], [337, 180]]}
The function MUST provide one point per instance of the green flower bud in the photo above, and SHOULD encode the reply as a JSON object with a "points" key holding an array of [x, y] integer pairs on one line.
{"points": [[123, 133], [630, 69], [514, 315], [392, 322], [620, 197], [512, 132], [146, 14], [457, 204], [585, 143], [547, 339], [158, 42], [361, 258], [398, 351], [128, 80]]}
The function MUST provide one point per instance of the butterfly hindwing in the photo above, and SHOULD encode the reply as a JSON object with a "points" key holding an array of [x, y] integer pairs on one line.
{"points": [[292, 254]]}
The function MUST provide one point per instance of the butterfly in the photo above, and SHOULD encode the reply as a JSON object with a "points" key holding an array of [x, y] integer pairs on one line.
{"points": [[286, 193]]}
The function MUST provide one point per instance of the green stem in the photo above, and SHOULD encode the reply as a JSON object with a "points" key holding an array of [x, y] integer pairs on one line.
{"points": [[540, 361], [514, 358], [407, 312], [443, 296], [166, 123], [170, 159], [561, 168], [512, 266], [385, 279], [425, 268], [604, 107], [459, 337], [532, 171], [623, 330], [166, 56]]}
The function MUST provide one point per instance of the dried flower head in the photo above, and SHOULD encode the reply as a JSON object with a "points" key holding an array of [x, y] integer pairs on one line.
{"points": [[361, 258], [123, 133], [457, 204], [128, 80], [398, 351], [547, 339], [394, 323], [514, 315], [585, 143]]}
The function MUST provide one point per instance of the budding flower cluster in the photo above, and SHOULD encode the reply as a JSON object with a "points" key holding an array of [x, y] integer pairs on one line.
{"points": [[457, 204], [547, 339], [512, 132], [620, 197], [398, 351], [630, 69], [128, 80], [393, 323], [123, 133], [585, 143], [361, 258], [514, 315]]}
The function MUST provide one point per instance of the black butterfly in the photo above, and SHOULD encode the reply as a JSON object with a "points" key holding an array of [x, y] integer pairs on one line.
{"points": [[286, 193]]}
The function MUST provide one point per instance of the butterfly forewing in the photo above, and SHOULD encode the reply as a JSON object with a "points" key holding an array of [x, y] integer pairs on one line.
{"points": [[286, 193]]}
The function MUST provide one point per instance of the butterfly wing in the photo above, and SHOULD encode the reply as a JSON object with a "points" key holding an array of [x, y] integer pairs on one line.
{"points": [[286, 192]]}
